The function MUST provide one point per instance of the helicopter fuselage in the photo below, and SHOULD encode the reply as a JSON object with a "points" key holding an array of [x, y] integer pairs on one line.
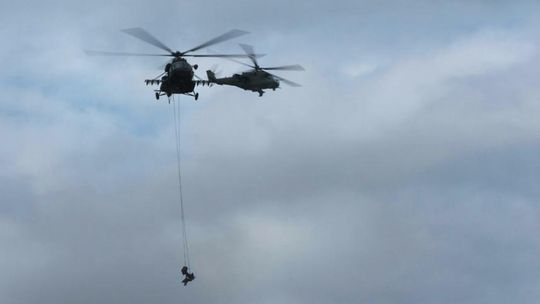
{"points": [[178, 78], [252, 80]]}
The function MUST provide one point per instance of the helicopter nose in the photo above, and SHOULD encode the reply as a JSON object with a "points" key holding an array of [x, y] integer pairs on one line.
{"points": [[185, 71]]}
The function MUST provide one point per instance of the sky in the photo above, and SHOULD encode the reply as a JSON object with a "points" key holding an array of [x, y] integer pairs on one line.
{"points": [[404, 170]]}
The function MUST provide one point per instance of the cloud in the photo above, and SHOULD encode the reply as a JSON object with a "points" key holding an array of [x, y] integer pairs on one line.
{"points": [[415, 182]]}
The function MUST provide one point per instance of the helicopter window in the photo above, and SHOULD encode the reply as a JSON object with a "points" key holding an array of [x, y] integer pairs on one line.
{"points": [[180, 65]]}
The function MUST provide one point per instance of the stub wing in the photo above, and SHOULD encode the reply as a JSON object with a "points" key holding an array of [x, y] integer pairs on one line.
{"points": [[197, 82], [152, 81], [204, 83]]}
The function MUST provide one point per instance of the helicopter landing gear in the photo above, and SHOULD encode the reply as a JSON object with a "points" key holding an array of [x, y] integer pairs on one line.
{"points": [[195, 95], [157, 96], [261, 92]]}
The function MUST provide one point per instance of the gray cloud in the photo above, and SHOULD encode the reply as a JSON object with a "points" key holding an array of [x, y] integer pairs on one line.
{"points": [[409, 180]]}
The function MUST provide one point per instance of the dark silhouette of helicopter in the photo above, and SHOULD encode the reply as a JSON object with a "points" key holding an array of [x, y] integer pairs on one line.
{"points": [[257, 79], [178, 75]]}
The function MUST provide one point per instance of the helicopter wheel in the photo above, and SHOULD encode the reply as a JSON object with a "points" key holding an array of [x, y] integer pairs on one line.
{"points": [[196, 96], [157, 96]]}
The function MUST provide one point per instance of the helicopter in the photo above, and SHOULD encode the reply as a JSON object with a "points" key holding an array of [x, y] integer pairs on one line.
{"points": [[257, 79], [178, 74]]}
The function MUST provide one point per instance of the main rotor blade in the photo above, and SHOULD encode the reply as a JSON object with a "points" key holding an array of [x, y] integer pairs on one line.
{"points": [[140, 33], [234, 60], [250, 52], [294, 67], [105, 53], [291, 83], [240, 62], [223, 55], [227, 36]]}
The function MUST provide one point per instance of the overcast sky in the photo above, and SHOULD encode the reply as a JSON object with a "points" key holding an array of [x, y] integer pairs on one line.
{"points": [[405, 170]]}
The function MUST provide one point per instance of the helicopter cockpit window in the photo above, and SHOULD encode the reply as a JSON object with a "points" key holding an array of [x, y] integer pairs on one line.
{"points": [[180, 65]]}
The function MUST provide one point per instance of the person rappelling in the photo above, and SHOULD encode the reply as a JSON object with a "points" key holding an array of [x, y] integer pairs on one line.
{"points": [[188, 276]]}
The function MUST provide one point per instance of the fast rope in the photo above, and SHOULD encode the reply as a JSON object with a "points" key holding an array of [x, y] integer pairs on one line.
{"points": [[177, 129]]}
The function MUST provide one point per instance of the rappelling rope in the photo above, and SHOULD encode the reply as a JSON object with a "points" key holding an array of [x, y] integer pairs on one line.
{"points": [[176, 114]]}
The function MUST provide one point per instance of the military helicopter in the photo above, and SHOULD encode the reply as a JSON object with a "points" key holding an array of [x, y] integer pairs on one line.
{"points": [[257, 79], [178, 75]]}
